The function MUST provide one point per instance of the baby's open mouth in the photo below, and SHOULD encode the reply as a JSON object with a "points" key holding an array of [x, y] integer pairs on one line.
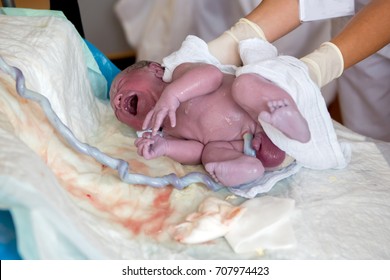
{"points": [[131, 104]]}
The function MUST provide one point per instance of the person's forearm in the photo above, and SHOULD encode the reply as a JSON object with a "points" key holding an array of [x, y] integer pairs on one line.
{"points": [[366, 33], [276, 17]]}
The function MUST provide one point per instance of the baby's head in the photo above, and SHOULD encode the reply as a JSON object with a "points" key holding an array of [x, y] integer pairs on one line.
{"points": [[135, 91]]}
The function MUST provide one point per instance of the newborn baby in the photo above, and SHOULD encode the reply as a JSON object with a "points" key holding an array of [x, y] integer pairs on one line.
{"points": [[204, 114]]}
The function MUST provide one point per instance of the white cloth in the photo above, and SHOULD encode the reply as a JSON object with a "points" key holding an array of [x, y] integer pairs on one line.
{"points": [[323, 151], [193, 49]]}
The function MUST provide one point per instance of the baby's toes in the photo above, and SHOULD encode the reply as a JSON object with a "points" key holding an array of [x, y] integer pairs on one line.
{"points": [[280, 103], [271, 105]]}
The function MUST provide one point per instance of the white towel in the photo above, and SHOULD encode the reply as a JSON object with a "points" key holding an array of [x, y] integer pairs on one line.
{"points": [[193, 49], [323, 151]]}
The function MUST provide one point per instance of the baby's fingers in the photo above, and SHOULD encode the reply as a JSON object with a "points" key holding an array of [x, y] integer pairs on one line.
{"points": [[146, 150], [144, 147], [172, 118], [140, 143], [157, 121], [148, 120]]}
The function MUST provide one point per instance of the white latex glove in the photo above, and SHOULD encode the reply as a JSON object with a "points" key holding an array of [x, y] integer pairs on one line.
{"points": [[225, 47], [325, 64]]}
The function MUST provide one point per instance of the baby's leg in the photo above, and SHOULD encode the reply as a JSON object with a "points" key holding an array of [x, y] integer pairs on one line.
{"points": [[264, 100], [227, 164]]}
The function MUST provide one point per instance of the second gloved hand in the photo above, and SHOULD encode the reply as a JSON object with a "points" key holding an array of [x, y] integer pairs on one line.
{"points": [[225, 47], [325, 64]]}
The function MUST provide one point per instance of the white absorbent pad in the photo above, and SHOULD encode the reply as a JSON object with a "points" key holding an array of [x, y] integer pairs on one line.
{"points": [[68, 206], [39, 44], [256, 225], [264, 225]]}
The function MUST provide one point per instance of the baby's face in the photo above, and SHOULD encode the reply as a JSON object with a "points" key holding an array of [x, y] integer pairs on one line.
{"points": [[133, 94]]}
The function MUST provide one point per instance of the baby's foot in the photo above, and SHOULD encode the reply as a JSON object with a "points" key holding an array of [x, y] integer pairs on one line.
{"points": [[235, 172], [286, 118]]}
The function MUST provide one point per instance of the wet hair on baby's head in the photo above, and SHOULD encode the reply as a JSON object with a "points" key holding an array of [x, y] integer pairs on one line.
{"points": [[138, 65], [118, 81]]}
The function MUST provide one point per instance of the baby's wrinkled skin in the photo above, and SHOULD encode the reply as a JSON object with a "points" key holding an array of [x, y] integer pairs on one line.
{"points": [[204, 114]]}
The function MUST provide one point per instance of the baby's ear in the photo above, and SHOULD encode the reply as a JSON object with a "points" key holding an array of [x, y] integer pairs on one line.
{"points": [[157, 69], [116, 100]]}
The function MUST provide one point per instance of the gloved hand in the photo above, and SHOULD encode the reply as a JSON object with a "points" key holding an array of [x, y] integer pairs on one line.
{"points": [[225, 47], [325, 64]]}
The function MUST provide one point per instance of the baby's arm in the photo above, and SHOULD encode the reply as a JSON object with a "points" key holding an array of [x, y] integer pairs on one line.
{"points": [[183, 151], [190, 80]]}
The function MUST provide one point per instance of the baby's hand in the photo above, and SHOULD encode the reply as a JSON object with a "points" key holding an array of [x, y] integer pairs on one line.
{"points": [[151, 147], [165, 106]]}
